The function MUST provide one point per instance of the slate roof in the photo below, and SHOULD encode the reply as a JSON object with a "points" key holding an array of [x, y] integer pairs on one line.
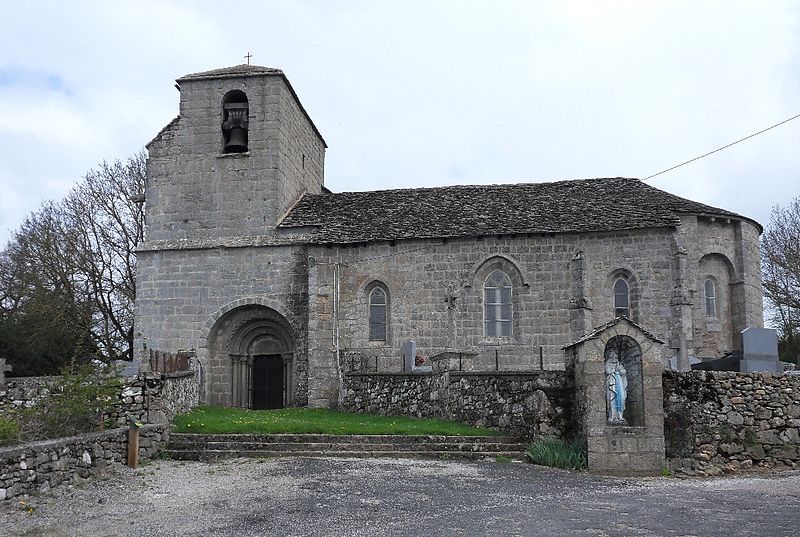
{"points": [[234, 71], [585, 205]]}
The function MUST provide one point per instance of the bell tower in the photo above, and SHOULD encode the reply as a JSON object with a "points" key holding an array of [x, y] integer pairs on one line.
{"points": [[241, 151]]}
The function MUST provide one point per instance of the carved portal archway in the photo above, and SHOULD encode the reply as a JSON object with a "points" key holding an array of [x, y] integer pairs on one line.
{"points": [[251, 359]]}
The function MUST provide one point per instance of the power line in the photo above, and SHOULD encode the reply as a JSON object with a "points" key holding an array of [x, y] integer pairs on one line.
{"points": [[723, 147]]}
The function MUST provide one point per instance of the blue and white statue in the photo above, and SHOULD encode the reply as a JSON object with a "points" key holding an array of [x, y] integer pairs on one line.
{"points": [[616, 388]]}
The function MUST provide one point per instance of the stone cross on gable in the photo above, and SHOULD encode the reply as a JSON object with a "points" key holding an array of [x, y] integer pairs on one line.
{"points": [[3, 369]]}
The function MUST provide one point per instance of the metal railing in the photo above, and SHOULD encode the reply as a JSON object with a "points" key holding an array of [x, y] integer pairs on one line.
{"points": [[167, 362]]}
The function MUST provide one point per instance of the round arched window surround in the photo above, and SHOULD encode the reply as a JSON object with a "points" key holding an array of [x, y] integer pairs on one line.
{"points": [[624, 289]]}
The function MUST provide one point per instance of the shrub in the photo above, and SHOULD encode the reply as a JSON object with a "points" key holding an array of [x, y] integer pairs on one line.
{"points": [[75, 403], [9, 431], [557, 453]]}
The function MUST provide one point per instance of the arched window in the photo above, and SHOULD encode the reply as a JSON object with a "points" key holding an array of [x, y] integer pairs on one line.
{"points": [[497, 304], [234, 122], [621, 298], [711, 298], [378, 302]]}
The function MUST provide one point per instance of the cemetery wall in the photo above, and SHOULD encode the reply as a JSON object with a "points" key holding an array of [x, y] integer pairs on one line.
{"points": [[716, 421], [148, 397], [24, 391], [524, 403], [38, 466]]}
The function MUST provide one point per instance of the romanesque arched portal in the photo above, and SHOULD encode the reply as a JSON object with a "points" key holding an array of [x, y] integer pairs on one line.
{"points": [[251, 353]]}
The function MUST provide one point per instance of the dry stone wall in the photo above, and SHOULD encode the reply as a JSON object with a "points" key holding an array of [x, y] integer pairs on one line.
{"points": [[39, 466], [713, 421], [717, 421], [522, 403], [24, 391], [148, 397], [156, 397]]}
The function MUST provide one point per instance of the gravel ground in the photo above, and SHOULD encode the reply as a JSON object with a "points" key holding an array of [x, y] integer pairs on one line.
{"points": [[403, 497]]}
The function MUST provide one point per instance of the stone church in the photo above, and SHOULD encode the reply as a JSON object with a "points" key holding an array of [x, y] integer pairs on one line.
{"points": [[279, 284]]}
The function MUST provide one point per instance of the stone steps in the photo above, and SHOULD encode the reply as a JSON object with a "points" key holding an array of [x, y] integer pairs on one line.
{"points": [[209, 446]]}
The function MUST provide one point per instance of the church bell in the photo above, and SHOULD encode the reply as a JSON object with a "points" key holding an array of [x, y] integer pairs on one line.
{"points": [[234, 127], [237, 141]]}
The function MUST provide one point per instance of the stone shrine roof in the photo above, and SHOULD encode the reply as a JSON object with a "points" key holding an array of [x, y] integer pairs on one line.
{"points": [[595, 332], [585, 205]]}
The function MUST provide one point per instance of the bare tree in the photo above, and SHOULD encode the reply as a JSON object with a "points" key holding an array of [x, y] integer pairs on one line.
{"points": [[76, 258], [105, 225], [780, 252]]}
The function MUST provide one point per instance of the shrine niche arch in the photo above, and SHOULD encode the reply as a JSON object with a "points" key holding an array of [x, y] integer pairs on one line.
{"points": [[251, 359]]}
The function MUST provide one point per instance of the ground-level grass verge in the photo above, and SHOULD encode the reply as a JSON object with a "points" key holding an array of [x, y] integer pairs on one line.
{"points": [[208, 419], [557, 453]]}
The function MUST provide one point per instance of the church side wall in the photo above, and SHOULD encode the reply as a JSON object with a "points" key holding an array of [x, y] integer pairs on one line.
{"points": [[179, 293], [436, 298]]}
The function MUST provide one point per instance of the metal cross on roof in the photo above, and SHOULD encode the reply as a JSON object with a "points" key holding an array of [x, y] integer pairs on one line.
{"points": [[248, 56]]}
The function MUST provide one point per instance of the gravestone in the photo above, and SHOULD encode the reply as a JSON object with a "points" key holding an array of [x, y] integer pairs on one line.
{"points": [[412, 362], [760, 350], [4, 368], [408, 352]]}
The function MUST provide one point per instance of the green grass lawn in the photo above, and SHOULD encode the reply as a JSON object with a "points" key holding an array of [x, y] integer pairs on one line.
{"points": [[209, 419]]}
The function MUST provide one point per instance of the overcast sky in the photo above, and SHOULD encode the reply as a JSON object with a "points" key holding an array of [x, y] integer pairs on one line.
{"points": [[411, 94]]}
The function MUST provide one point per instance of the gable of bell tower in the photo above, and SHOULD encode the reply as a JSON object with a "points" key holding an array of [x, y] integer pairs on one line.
{"points": [[241, 151]]}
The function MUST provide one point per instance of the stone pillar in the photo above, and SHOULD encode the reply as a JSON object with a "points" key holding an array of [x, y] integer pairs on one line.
{"points": [[580, 307], [681, 304], [323, 380], [746, 289]]}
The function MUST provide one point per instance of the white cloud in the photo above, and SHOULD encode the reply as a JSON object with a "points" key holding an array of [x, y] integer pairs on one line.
{"points": [[418, 93]]}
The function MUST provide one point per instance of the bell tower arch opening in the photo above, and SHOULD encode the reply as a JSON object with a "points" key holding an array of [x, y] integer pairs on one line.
{"points": [[235, 112], [251, 359]]}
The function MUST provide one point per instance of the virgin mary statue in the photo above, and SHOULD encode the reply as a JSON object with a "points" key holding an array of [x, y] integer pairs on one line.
{"points": [[616, 388]]}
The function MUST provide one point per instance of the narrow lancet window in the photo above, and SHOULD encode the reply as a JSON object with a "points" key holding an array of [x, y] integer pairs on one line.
{"points": [[621, 299], [711, 298], [497, 304], [378, 303]]}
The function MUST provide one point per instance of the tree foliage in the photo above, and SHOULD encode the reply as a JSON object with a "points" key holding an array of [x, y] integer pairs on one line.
{"points": [[67, 277], [780, 252]]}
